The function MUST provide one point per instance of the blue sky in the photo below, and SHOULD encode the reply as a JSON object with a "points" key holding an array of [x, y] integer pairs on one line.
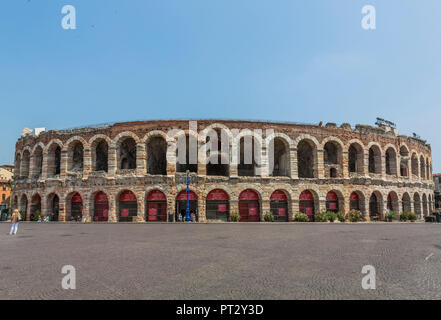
{"points": [[302, 61]]}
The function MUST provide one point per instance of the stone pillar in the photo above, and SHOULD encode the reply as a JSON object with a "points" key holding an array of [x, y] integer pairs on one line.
{"points": [[87, 165], [345, 165], [171, 204], [141, 160], [87, 213], [366, 163], [45, 170], [28, 209], [347, 205], [234, 206], [32, 169], [265, 206], [141, 207], [366, 209], [383, 166], [171, 158], [320, 165], [202, 210], [64, 164], [293, 163], [263, 168], [62, 209], [112, 161], [113, 216], [44, 208]]}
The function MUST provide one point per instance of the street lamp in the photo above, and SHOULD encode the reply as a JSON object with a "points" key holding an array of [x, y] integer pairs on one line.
{"points": [[187, 181]]}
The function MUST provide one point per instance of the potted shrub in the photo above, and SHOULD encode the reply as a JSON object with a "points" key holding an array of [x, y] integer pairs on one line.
{"points": [[340, 216], [390, 216], [404, 216], [300, 217], [322, 216], [354, 216], [268, 217], [234, 217], [412, 217], [332, 216]]}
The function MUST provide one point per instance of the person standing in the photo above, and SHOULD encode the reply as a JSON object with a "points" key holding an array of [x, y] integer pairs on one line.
{"points": [[15, 218]]}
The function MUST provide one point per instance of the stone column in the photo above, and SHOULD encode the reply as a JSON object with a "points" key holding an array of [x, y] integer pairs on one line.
{"points": [[171, 203], [265, 209], [295, 207], [320, 165], [293, 163], [112, 161], [171, 158], [64, 164], [113, 216], [365, 163], [366, 209], [45, 168], [140, 159], [202, 210], [345, 165], [234, 206], [62, 209], [141, 207], [87, 166], [263, 168], [383, 166]]}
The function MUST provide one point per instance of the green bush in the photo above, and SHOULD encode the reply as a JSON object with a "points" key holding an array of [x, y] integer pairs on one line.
{"points": [[23, 215], [332, 216], [355, 216], [412, 216], [300, 217], [341, 216], [268, 217], [322, 216], [37, 215], [404, 216], [234, 217], [390, 215]]}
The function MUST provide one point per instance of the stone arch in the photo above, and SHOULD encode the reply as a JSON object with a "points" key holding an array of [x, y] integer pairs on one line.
{"points": [[393, 202], [307, 159], [404, 161], [374, 165], [376, 205], [340, 201], [355, 157], [53, 150], [74, 207], [127, 205], [391, 160], [126, 146], [414, 164], [37, 161], [278, 154], [25, 163], [35, 207], [333, 157], [75, 148], [98, 205], [417, 204], [357, 200], [23, 204], [406, 202], [53, 206], [186, 151], [156, 150]]}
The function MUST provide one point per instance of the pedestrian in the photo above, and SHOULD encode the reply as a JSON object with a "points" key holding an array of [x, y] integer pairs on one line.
{"points": [[193, 217], [179, 217], [15, 218]]}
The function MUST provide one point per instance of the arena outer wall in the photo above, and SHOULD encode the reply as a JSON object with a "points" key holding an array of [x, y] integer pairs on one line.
{"points": [[393, 170]]}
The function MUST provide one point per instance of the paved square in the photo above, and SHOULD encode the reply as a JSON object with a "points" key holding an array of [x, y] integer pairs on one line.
{"points": [[221, 261]]}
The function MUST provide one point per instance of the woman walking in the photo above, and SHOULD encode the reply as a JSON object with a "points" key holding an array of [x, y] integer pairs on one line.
{"points": [[15, 218]]}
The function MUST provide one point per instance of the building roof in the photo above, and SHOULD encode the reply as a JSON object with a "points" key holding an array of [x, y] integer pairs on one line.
{"points": [[5, 175]]}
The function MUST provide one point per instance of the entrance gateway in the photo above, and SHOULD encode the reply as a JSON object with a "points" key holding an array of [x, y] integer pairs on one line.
{"points": [[217, 205], [181, 204]]}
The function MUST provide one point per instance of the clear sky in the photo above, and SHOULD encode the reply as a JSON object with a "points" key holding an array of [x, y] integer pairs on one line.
{"points": [[291, 60]]}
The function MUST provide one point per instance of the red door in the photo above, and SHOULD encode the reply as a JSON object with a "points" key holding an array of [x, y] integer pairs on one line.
{"points": [[249, 206]]}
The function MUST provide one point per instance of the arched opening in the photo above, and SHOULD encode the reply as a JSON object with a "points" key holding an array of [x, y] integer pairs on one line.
{"points": [[422, 168], [404, 162], [25, 164], [392, 202], [181, 205], [406, 203], [425, 208], [306, 156], [417, 204], [128, 207], [354, 202], [375, 160], [156, 206], [249, 157], [54, 160], [76, 207], [101, 207], [37, 162], [53, 204], [35, 207], [189, 159], [279, 206], [76, 157], [375, 206], [428, 170], [333, 159], [217, 205], [355, 155], [17, 170], [249, 206], [332, 202], [279, 152], [414, 165], [127, 154], [100, 155], [23, 205], [217, 143], [306, 204], [391, 162], [157, 156]]}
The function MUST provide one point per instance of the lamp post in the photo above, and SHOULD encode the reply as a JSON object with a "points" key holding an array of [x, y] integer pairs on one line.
{"points": [[187, 181]]}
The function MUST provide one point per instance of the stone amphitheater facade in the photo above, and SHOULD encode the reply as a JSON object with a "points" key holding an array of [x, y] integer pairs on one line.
{"points": [[369, 168]]}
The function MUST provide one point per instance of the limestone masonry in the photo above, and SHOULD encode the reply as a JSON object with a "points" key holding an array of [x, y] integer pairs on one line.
{"points": [[127, 172]]}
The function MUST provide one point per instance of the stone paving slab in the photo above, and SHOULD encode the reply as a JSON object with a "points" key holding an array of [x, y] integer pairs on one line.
{"points": [[221, 261]]}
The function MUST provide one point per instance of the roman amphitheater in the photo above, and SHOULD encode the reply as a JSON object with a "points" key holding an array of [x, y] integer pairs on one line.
{"points": [[129, 172]]}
